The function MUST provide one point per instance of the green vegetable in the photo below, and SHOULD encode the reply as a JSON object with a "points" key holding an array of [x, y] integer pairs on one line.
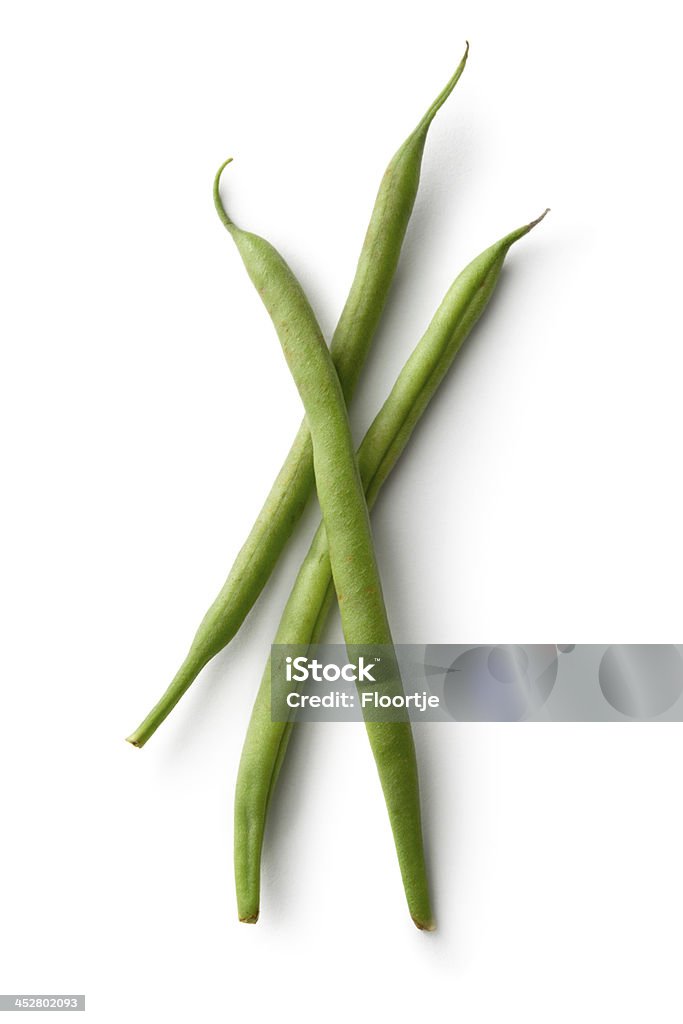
{"points": [[306, 610], [294, 484], [352, 556]]}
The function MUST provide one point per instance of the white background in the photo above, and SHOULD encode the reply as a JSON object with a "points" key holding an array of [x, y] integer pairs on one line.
{"points": [[145, 408]]}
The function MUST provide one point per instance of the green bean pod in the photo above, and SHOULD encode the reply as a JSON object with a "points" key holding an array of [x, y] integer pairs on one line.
{"points": [[295, 481], [347, 524], [308, 605]]}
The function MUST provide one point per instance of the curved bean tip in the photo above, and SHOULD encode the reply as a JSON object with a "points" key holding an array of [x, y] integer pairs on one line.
{"points": [[514, 236], [217, 201], [539, 219], [223, 166], [444, 94]]}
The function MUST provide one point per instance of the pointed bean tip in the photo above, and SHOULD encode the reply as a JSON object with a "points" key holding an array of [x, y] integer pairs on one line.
{"points": [[217, 201], [445, 92], [220, 170], [514, 236], [539, 219]]}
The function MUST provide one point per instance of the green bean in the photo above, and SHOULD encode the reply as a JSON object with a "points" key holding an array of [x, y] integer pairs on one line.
{"points": [[347, 524], [294, 484], [306, 610]]}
